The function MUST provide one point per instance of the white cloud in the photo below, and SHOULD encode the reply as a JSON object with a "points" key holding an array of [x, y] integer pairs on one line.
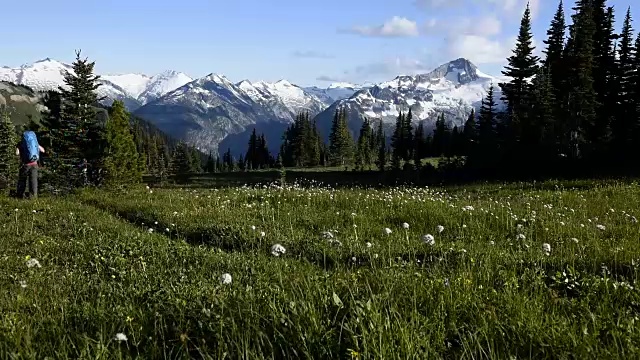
{"points": [[488, 25], [395, 27], [479, 49], [326, 78], [436, 4]]}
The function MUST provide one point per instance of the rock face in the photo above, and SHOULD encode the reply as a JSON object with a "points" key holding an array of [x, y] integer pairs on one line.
{"points": [[453, 88], [215, 114], [134, 90]]}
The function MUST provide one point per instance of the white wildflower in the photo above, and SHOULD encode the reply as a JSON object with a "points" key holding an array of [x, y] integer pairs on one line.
{"points": [[225, 279], [327, 234], [440, 228], [546, 248], [23, 284], [520, 237], [368, 244], [387, 231], [277, 250], [262, 234], [253, 227], [574, 240], [429, 239], [33, 263], [601, 227], [149, 230], [405, 226], [492, 242], [121, 337]]}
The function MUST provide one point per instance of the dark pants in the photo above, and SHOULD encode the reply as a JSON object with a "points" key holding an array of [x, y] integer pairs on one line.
{"points": [[31, 172]]}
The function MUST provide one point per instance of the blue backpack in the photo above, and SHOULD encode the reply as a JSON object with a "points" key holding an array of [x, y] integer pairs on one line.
{"points": [[31, 146]]}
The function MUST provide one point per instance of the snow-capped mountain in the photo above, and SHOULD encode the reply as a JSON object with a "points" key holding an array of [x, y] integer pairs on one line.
{"points": [[334, 92], [295, 98], [212, 109], [134, 89], [453, 88]]}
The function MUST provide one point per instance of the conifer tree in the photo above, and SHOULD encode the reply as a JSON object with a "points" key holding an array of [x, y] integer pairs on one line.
{"points": [[543, 132], [522, 65], [195, 160], [363, 155], [636, 96], [554, 49], [121, 162], [581, 94], [8, 142], [181, 160], [381, 162], [252, 157], [341, 142], [419, 145], [407, 136], [80, 136], [622, 128], [398, 142], [470, 133], [487, 144]]}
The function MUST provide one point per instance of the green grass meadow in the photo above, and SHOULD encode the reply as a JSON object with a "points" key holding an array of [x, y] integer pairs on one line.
{"points": [[513, 271]]}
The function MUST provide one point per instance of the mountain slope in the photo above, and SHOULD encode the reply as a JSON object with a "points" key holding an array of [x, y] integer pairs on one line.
{"points": [[453, 88], [295, 98], [134, 89], [206, 111], [334, 92]]}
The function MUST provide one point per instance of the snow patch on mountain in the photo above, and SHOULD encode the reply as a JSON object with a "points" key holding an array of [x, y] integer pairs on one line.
{"points": [[134, 89]]}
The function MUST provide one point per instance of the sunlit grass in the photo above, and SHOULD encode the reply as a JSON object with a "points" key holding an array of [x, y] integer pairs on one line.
{"points": [[148, 264]]}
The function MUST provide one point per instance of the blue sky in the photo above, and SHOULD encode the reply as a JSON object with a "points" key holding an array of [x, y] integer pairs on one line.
{"points": [[305, 42]]}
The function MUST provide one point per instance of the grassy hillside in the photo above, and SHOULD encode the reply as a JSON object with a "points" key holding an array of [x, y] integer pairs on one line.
{"points": [[514, 271]]}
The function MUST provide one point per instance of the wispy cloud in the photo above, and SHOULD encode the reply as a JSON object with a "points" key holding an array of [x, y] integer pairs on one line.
{"points": [[310, 54], [395, 27], [325, 78]]}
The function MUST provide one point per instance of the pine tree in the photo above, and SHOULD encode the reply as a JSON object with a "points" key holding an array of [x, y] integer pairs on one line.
{"points": [[554, 50], [407, 140], [8, 142], [487, 142], [195, 160], [419, 145], [252, 157], [636, 96], [398, 142], [121, 162], [382, 148], [470, 133], [543, 131], [522, 65], [622, 128], [363, 156], [181, 160], [80, 136], [581, 94], [341, 142]]}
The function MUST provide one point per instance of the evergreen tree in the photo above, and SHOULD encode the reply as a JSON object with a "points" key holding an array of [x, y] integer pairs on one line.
{"points": [[252, 157], [341, 141], [382, 148], [8, 142], [80, 136], [441, 137], [622, 127], [636, 95], [487, 142], [181, 160], [210, 165], [363, 150], [554, 50], [522, 66], [398, 142], [121, 162], [195, 160], [470, 133], [581, 96], [407, 151], [419, 145], [543, 132]]}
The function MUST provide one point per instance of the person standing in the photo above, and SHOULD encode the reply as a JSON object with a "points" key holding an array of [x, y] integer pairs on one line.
{"points": [[29, 151]]}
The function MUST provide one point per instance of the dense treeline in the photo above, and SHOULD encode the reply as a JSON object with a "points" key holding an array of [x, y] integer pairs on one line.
{"points": [[88, 144], [577, 109]]}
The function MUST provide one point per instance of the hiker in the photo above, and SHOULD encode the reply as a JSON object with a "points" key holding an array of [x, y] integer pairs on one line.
{"points": [[29, 151]]}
